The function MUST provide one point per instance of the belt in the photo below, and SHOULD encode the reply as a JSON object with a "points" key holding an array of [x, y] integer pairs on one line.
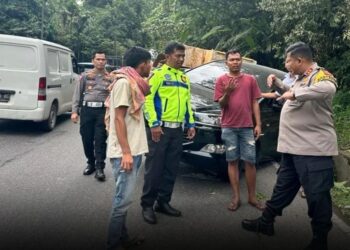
{"points": [[93, 104], [171, 124]]}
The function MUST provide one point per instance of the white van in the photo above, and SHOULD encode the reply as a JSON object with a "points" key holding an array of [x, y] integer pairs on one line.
{"points": [[37, 81]]}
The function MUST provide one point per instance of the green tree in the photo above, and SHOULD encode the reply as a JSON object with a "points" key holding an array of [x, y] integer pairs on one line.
{"points": [[20, 17], [114, 28], [323, 24], [221, 25]]}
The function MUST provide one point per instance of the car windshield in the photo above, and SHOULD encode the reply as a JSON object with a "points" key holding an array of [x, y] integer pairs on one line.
{"points": [[206, 75]]}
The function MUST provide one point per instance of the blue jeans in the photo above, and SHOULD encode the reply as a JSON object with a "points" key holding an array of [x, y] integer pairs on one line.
{"points": [[125, 186], [239, 143]]}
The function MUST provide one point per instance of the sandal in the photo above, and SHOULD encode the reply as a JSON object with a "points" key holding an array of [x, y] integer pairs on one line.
{"points": [[258, 205], [233, 206]]}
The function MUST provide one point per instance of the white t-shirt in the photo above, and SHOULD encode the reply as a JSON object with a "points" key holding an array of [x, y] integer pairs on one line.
{"points": [[136, 132]]}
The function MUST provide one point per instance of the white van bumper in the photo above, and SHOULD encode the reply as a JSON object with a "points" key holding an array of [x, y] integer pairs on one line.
{"points": [[15, 114]]}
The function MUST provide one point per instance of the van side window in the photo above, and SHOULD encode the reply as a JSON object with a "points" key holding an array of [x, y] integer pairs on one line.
{"points": [[18, 57], [64, 62], [52, 61]]}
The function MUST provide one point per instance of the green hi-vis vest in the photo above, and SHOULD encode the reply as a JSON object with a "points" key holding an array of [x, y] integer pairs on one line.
{"points": [[170, 97]]}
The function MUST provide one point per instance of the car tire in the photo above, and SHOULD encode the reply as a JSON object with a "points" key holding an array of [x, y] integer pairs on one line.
{"points": [[50, 123]]}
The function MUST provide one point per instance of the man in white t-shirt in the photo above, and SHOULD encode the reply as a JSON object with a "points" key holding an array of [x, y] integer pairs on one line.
{"points": [[127, 140]]}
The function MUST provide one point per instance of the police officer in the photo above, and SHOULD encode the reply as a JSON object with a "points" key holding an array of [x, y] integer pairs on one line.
{"points": [[307, 141], [166, 108], [89, 97]]}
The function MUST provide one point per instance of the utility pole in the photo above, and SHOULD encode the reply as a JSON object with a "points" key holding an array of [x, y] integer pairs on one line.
{"points": [[42, 19]]}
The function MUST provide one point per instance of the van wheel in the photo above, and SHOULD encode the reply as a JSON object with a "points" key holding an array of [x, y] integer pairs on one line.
{"points": [[50, 123]]}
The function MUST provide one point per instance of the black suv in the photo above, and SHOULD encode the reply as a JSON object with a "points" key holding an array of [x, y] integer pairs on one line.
{"points": [[207, 145]]}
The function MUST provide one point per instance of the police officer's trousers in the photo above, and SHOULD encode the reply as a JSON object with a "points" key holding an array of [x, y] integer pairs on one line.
{"points": [[93, 134], [161, 166], [315, 174]]}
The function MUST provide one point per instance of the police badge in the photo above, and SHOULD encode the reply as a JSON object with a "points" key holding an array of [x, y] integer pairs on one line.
{"points": [[167, 77]]}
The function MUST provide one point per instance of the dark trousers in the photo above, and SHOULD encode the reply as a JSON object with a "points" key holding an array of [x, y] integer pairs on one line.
{"points": [[93, 134], [315, 174], [161, 166]]}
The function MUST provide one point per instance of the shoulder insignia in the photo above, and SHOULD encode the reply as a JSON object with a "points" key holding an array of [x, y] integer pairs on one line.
{"points": [[324, 75], [184, 78], [308, 72]]}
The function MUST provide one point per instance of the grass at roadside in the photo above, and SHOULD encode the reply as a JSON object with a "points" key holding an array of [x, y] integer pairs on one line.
{"points": [[341, 198]]}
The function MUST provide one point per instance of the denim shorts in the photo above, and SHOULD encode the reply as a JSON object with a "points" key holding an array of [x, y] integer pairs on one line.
{"points": [[239, 143]]}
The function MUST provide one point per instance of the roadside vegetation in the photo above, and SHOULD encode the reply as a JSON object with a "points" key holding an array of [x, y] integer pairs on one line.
{"points": [[341, 106], [341, 190], [341, 198]]}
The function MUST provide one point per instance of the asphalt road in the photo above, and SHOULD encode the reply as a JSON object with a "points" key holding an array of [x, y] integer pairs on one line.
{"points": [[46, 202]]}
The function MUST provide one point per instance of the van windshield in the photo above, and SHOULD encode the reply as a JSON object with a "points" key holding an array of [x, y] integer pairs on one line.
{"points": [[17, 57]]}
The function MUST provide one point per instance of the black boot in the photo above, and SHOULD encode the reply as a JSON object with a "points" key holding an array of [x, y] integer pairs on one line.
{"points": [[148, 215], [99, 175], [259, 225], [89, 170], [165, 208]]}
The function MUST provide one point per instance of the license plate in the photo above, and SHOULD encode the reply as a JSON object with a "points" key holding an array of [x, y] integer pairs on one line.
{"points": [[4, 97]]}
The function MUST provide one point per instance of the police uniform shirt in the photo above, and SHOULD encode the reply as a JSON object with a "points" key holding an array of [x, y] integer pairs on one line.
{"points": [[306, 124], [96, 88]]}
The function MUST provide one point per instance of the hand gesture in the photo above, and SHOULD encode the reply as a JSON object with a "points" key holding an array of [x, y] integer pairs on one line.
{"points": [[127, 162], [257, 132], [156, 133], [232, 84], [191, 132], [270, 79], [288, 95], [74, 117]]}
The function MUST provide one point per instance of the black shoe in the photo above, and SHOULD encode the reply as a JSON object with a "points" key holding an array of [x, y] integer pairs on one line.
{"points": [[89, 170], [165, 208], [259, 226], [148, 215], [99, 175]]}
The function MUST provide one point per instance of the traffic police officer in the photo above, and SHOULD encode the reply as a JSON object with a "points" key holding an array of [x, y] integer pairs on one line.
{"points": [[307, 141], [88, 100], [166, 108]]}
